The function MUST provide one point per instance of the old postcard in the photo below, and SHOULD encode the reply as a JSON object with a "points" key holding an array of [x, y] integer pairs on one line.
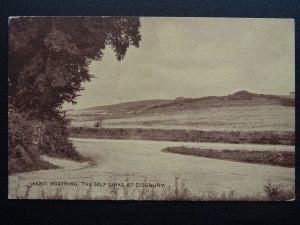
{"points": [[151, 108]]}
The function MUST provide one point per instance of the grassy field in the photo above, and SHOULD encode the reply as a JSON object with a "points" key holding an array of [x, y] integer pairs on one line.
{"points": [[283, 158], [247, 118]]}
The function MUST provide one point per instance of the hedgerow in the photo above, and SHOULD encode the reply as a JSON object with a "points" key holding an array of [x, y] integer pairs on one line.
{"points": [[23, 155]]}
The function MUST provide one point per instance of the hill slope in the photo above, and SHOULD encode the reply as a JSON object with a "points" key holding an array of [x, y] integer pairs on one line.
{"points": [[240, 98]]}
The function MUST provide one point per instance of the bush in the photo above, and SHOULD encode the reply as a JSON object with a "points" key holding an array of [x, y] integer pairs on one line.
{"points": [[20, 133], [56, 140], [97, 124], [23, 155], [275, 192]]}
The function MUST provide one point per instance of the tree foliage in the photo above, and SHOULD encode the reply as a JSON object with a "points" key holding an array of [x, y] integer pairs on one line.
{"points": [[49, 57]]}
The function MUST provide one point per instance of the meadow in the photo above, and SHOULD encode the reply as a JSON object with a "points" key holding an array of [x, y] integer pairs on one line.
{"points": [[248, 118]]}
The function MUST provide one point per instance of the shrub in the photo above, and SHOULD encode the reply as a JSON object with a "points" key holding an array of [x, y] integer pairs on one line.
{"points": [[275, 192], [97, 124], [20, 133], [21, 152], [23, 155], [56, 140]]}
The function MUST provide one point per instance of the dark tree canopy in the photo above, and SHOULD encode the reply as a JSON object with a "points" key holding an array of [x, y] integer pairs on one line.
{"points": [[49, 57]]}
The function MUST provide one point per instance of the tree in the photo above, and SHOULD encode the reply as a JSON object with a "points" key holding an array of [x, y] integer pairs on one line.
{"points": [[48, 62], [49, 57]]}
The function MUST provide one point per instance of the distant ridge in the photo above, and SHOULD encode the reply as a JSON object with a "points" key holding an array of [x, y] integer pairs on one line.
{"points": [[240, 99]]}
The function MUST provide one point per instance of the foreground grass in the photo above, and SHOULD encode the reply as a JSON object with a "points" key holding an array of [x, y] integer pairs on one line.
{"points": [[179, 192], [256, 137], [278, 158]]}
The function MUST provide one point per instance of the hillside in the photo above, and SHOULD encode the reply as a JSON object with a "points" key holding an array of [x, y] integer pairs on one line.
{"points": [[240, 98], [131, 106]]}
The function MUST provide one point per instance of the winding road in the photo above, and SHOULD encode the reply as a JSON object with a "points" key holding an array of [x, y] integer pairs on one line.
{"points": [[138, 161]]}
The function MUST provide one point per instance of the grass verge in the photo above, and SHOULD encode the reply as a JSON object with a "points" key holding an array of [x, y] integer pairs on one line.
{"points": [[178, 192], [274, 158]]}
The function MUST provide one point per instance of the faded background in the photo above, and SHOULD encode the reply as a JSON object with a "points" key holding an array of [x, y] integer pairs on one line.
{"points": [[196, 57]]}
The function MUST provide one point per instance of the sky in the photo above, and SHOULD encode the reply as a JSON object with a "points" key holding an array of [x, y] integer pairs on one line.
{"points": [[196, 57]]}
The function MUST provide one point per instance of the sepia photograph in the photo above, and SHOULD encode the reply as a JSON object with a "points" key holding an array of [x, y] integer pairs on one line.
{"points": [[151, 108]]}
